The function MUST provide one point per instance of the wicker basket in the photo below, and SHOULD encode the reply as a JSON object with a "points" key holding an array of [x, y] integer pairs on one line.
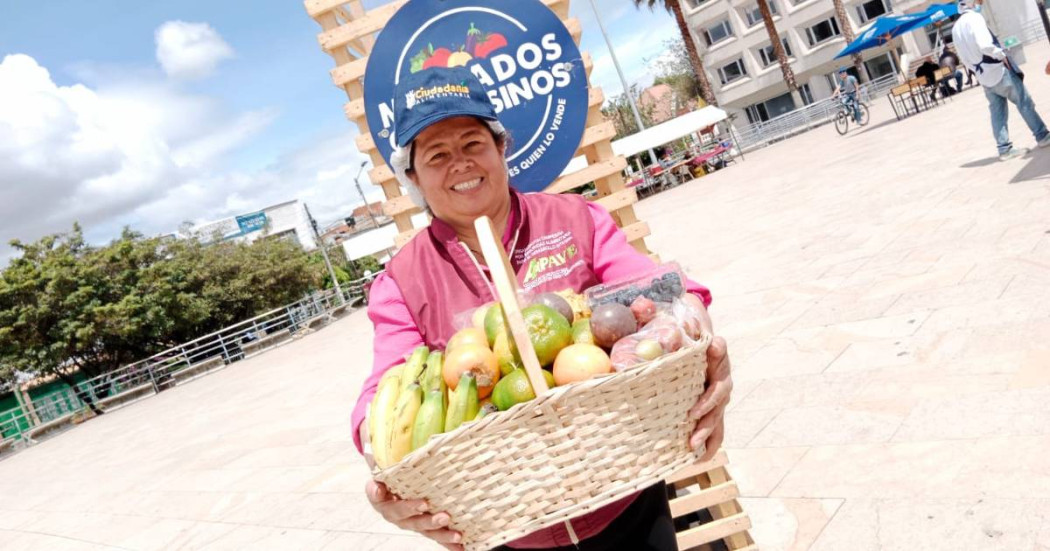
{"points": [[568, 452]]}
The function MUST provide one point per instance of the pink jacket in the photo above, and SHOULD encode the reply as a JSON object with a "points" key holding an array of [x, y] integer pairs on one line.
{"points": [[398, 312]]}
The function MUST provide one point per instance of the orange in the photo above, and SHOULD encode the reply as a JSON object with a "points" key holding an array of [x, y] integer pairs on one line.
{"points": [[579, 362], [474, 358]]}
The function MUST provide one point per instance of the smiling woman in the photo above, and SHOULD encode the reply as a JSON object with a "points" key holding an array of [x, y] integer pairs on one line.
{"points": [[451, 151]]}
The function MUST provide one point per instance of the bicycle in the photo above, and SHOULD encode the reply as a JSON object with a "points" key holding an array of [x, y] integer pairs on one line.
{"points": [[845, 114]]}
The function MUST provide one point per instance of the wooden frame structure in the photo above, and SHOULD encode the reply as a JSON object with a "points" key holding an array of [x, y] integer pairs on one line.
{"points": [[348, 33]]}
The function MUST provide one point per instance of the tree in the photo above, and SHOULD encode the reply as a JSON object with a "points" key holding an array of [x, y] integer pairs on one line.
{"points": [[847, 33], [618, 109], [66, 306], [673, 68], [778, 51], [675, 8]]}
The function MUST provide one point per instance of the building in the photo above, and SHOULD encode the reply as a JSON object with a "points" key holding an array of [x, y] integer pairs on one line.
{"points": [[378, 242], [359, 221], [288, 220], [665, 103], [747, 80]]}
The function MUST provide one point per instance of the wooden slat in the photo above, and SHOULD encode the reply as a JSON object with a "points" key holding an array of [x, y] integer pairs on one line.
{"points": [[703, 499], [713, 531], [587, 175], [719, 460], [381, 173], [636, 231], [595, 134], [618, 200], [404, 237], [398, 205]]}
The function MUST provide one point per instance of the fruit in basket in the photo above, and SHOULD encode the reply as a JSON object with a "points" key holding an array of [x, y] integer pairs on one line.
{"points": [[580, 362], [414, 367], [475, 359], [494, 323], [477, 319], [648, 349], [644, 310], [486, 408], [548, 330], [408, 404], [515, 388], [432, 378], [611, 322], [581, 332], [506, 353], [381, 418], [470, 335], [558, 303], [462, 403], [578, 303], [430, 419], [624, 353]]}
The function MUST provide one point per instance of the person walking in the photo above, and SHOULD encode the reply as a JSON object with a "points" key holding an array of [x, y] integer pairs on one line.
{"points": [[1002, 80]]}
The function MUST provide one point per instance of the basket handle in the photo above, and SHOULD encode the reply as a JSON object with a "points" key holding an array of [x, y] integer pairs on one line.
{"points": [[506, 283]]}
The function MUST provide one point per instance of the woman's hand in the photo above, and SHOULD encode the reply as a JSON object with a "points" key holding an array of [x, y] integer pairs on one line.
{"points": [[710, 409], [411, 514]]}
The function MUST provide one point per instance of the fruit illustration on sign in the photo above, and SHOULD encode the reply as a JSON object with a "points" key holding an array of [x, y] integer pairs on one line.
{"points": [[459, 59], [489, 43], [473, 33], [429, 57]]}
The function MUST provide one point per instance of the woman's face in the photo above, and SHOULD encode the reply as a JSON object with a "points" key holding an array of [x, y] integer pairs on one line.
{"points": [[460, 170]]}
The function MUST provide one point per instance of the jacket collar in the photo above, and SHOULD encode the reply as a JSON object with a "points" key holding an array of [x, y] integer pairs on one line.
{"points": [[444, 233]]}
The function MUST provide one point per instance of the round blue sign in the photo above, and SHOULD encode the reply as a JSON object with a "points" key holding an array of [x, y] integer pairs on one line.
{"points": [[522, 54]]}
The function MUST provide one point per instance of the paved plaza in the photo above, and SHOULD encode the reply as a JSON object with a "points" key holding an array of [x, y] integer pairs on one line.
{"points": [[886, 297]]}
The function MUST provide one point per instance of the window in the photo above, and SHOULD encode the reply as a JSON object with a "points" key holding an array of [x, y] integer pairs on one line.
{"points": [[823, 31], [718, 32], [769, 57], [693, 4], [770, 109], [880, 66], [873, 8], [733, 71], [806, 93], [754, 16]]}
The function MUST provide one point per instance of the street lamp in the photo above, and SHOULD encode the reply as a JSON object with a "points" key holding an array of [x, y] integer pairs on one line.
{"points": [[619, 71], [368, 207]]}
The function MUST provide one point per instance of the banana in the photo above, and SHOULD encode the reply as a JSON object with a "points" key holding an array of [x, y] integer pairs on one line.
{"points": [[381, 419], [463, 406], [430, 419], [392, 372], [408, 404], [432, 377], [414, 367], [485, 410]]}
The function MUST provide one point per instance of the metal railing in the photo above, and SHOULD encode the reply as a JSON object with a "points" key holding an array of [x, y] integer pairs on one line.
{"points": [[801, 120], [160, 371]]}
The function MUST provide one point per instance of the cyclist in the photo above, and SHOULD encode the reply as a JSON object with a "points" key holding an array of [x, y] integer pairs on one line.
{"points": [[847, 86]]}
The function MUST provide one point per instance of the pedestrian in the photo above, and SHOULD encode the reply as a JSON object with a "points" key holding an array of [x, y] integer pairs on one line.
{"points": [[1002, 80]]}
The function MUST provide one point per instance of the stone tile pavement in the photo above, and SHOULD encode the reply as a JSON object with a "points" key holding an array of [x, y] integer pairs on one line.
{"points": [[886, 296]]}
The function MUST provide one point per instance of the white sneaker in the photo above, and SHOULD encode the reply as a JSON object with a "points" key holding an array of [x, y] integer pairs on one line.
{"points": [[1045, 142], [1014, 153]]}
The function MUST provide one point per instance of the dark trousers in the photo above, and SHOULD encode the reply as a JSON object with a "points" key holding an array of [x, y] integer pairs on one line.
{"points": [[644, 526]]}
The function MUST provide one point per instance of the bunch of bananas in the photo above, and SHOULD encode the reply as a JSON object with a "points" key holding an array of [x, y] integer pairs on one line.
{"points": [[412, 403]]}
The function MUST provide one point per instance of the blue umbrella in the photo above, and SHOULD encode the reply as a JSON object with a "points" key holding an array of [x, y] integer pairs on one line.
{"points": [[934, 14], [883, 30]]}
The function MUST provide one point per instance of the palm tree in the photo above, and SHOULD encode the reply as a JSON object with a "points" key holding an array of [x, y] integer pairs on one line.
{"points": [[847, 33], [675, 8], [778, 51]]}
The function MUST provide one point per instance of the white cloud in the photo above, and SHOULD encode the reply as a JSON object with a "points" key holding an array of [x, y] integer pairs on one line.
{"points": [[98, 156], [190, 50]]}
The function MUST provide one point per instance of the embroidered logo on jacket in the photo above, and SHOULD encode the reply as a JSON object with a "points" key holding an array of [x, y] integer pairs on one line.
{"points": [[548, 258]]}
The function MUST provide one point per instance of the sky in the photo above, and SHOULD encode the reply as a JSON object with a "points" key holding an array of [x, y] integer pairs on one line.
{"points": [[147, 115]]}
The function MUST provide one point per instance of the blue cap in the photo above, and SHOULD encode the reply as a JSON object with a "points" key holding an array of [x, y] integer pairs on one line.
{"points": [[843, 69], [433, 95]]}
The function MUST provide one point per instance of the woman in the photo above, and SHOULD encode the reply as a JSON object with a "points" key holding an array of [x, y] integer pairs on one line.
{"points": [[451, 155]]}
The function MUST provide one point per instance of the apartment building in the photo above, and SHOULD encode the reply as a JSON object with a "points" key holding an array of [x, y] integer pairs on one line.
{"points": [[747, 80]]}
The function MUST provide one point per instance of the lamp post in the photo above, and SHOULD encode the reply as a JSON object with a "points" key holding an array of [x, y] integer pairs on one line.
{"points": [[619, 71], [1041, 6], [324, 253], [368, 207]]}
